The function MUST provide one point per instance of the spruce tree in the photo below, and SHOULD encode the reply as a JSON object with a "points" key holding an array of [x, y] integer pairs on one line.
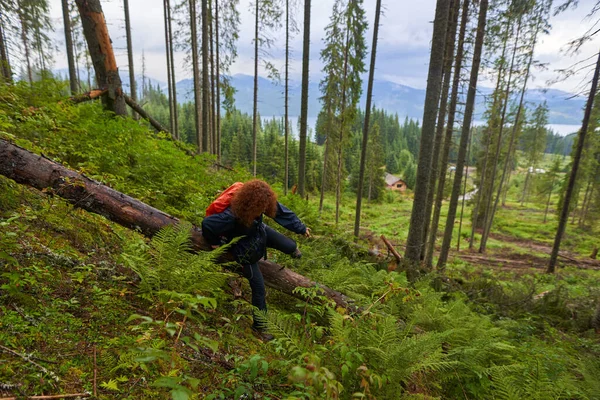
{"points": [[365, 138], [464, 138], [414, 243]]}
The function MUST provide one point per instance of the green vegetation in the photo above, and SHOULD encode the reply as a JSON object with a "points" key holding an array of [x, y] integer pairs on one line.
{"points": [[80, 294]]}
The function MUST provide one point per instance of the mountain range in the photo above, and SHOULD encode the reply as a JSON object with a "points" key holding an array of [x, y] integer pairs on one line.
{"points": [[564, 108], [403, 100]]}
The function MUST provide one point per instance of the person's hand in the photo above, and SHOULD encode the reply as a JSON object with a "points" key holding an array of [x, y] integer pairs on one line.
{"points": [[307, 233]]}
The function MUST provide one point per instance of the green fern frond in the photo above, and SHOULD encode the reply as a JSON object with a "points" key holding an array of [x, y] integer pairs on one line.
{"points": [[288, 332]]}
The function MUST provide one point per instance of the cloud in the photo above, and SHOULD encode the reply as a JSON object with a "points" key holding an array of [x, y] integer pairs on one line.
{"points": [[403, 49]]}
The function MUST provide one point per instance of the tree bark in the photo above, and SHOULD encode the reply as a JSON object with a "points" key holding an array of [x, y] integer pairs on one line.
{"points": [[137, 108], [205, 79], [132, 84], [286, 104], [101, 52], [4, 61], [460, 162], [196, 69], [73, 82], [91, 95], [41, 173], [218, 127], [513, 136], [304, 101], [562, 222], [414, 243], [437, 167], [175, 131], [483, 172], [169, 62], [213, 110], [365, 141], [255, 98], [340, 152], [487, 225], [25, 41]]}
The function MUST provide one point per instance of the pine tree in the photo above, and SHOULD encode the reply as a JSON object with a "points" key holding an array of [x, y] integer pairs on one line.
{"points": [[414, 243], [132, 85], [73, 81], [343, 57], [562, 222], [304, 100], [444, 152], [365, 139], [102, 55], [267, 17], [464, 138], [205, 79], [196, 73]]}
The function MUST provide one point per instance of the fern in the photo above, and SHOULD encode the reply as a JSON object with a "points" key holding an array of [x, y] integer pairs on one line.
{"points": [[291, 337], [168, 264]]}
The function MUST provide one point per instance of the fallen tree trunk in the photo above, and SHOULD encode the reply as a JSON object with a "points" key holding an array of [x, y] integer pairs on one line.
{"points": [[39, 172], [138, 109], [91, 95]]}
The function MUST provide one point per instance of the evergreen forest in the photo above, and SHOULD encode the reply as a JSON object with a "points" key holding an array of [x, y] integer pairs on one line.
{"points": [[450, 256]]}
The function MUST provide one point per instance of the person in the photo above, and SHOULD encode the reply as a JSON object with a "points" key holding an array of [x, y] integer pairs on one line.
{"points": [[244, 218]]}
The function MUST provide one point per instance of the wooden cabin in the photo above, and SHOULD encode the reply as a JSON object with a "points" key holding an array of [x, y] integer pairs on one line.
{"points": [[394, 183]]}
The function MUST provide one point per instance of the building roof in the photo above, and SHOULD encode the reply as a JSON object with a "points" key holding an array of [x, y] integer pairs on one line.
{"points": [[391, 179]]}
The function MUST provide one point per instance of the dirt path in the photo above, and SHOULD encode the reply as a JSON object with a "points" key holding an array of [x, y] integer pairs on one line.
{"points": [[529, 257]]}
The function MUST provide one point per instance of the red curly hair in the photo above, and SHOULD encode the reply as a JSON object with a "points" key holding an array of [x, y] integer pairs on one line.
{"points": [[253, 199]]}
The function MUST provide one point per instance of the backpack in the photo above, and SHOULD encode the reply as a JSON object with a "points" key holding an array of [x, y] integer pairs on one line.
{"points": [[224, 200]]}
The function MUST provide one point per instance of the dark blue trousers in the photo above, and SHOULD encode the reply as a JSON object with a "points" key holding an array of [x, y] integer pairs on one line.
{"points": [[275, 240]]}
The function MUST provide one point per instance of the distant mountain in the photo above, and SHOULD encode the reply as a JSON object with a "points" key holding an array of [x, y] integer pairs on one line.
{"points": [[395, 98]]}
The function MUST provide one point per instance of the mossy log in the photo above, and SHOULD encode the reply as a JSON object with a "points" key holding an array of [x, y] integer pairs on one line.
{"points": [[41, 173]]}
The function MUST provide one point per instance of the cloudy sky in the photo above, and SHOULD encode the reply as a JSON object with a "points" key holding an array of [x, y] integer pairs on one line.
{"points": [[403, 49]]}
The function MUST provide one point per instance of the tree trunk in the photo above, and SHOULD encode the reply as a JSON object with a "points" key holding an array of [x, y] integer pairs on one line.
{"points": [[460, 162], [304, 101], [338, 187], [196, 69], [25, 41], [323, 177], [155, 124], [562, 222], [487, 221], [462, 206], [365, 141], [483, 172], [513, 136], [169, 70], [589, 190], [4, 61], [414, 242], [175, 129], [101, 52], [286, 105], [41, 173], [255, 98], [212, 81], [132, 84], [218, 128], [439, 168], [548, 200], [69, 46], [205, 80]]}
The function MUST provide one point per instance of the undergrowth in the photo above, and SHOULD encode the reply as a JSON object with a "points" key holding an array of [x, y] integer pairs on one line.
{"points": [[88, 306]]}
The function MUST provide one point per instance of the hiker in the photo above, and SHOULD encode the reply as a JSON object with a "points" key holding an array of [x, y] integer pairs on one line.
{"points": [[238, 212]]}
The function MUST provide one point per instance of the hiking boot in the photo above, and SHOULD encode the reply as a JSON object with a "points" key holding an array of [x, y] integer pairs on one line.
{"points": [[262, 334], [297, 253]]}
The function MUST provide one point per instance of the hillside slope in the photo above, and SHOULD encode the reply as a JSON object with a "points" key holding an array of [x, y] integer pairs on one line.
{"points": [[88, 306]]}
